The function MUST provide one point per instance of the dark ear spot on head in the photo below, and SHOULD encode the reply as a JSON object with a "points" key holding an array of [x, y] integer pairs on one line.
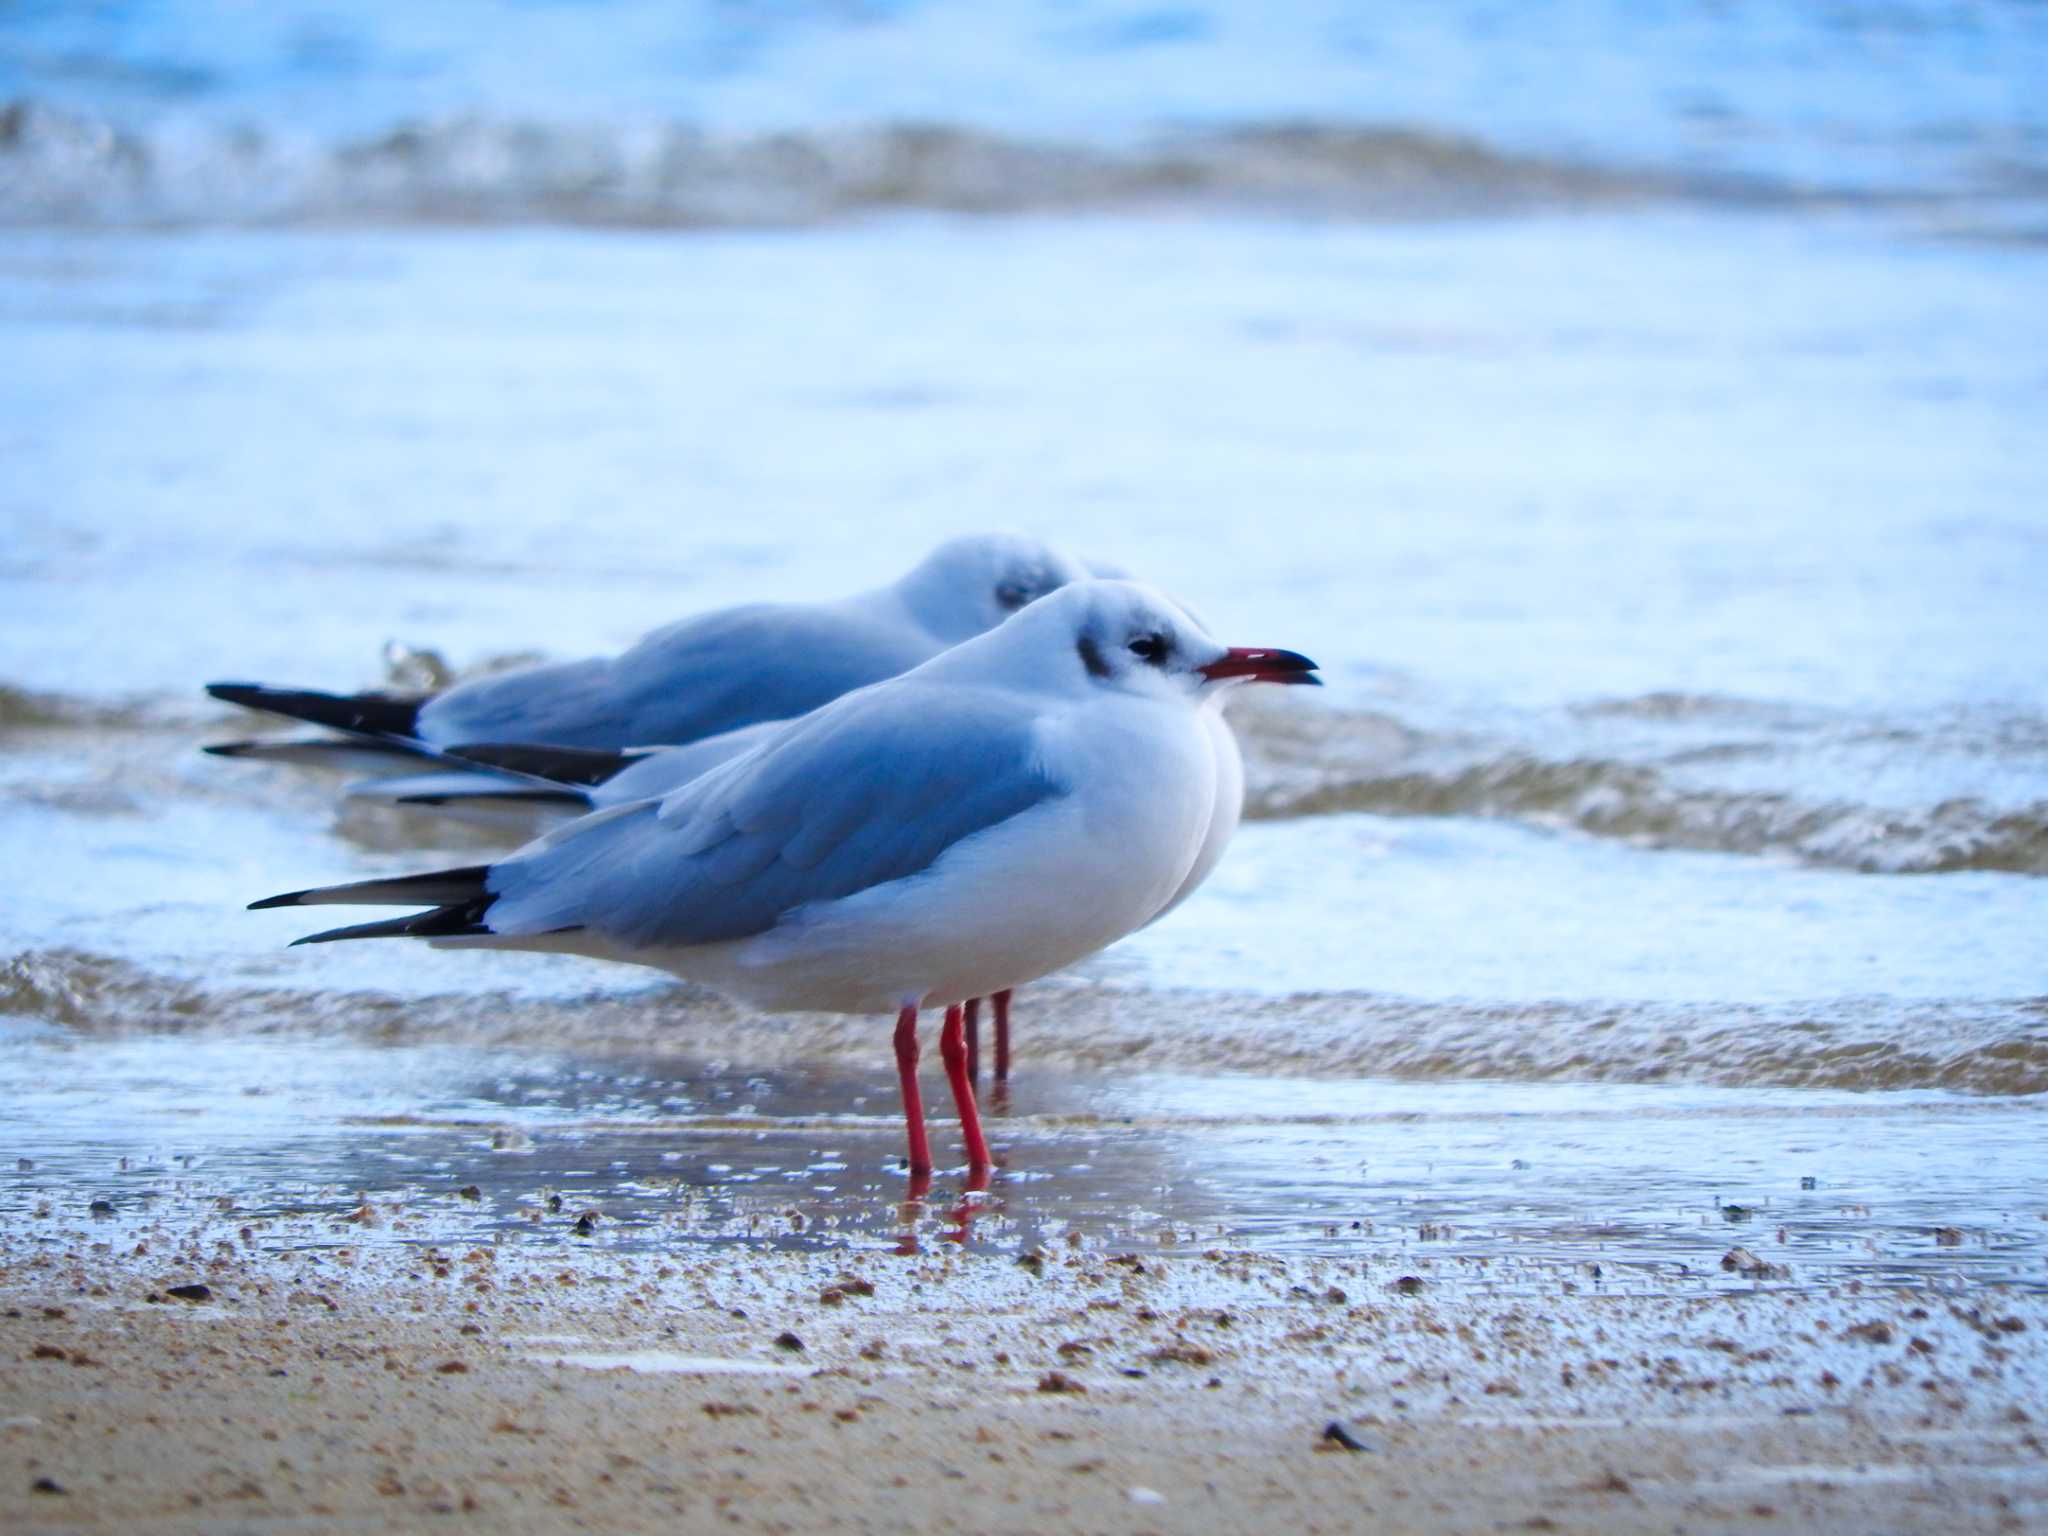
{"points": [[1091, 656]]}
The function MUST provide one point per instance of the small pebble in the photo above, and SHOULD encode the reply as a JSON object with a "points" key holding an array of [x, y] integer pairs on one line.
{"points": [[45, 1485], [1147, 1496], [1742, 1262], [790, 1342], [1339, 1436], [190, 1292]]}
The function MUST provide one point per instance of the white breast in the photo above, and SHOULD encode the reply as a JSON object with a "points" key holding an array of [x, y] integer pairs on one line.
{"points": [[1030, 896], [1228, 808]]}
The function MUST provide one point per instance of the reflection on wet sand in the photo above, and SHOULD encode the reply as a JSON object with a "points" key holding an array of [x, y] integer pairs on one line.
{"points": [[1500, 1188]]}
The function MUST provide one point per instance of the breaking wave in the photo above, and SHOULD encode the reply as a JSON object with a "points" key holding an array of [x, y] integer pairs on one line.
{"points": [[29, 709], [1323, 763], [1856, 1044], [1638, 804], [63, 167], [1740, 788]]}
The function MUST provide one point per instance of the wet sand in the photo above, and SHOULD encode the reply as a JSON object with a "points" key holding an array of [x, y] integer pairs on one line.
{"points": [[339, 1374]]}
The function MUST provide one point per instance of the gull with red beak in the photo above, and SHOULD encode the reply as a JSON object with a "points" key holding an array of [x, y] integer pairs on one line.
{"points": [[587, 780], [999, 813]]}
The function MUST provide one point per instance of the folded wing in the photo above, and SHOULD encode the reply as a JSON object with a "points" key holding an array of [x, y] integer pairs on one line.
{"points": [[856, 795], [697, 678]]}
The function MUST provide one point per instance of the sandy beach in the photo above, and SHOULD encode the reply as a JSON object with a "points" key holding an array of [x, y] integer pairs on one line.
{"points": [[206, 1371]]}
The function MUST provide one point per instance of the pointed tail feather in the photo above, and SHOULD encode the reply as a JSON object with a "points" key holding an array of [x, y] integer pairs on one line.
{"points": [[466, 785], [359, 714], [436, 888], [493, 796], [358, 754], [441, 923], [583, 766]]}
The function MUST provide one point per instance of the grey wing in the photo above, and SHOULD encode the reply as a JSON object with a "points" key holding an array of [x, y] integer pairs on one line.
{"points": [[859, 794], [697, 678], [569, 704], [670, 768]]}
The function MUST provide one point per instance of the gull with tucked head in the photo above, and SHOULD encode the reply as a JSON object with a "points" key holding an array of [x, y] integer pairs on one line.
{"points": [[1001, 812], [699, 677]]}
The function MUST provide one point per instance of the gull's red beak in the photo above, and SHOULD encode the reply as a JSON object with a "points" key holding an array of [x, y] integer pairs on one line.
{"points": [[1262, 666]]}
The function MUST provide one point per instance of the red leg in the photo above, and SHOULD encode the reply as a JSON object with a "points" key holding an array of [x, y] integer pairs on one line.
{"points": [[953, 1048], [1001, 1003], [913, 1101], [974, 1040]]}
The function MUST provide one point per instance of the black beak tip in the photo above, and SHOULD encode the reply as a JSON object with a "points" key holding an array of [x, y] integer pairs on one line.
{"points": [[1294, 668]]}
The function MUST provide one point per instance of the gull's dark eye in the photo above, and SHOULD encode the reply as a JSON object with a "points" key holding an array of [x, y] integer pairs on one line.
{"points": [[1152, 649], [1012, 595]]}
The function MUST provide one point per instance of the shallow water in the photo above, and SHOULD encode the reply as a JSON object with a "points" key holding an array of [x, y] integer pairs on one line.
{"points": [[1683, 636], [1495, 1187]]}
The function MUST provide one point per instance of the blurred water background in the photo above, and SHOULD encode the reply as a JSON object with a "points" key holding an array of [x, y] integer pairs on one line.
{"points": [[1637, 409]]}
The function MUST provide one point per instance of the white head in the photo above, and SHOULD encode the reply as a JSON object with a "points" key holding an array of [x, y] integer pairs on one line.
{"points": [[972, 584], [1109, 570], [1126, 637]]}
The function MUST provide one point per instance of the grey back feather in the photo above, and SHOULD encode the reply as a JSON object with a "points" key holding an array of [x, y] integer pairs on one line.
{"points": [[858, 794], [661, 772], [696, 678]]}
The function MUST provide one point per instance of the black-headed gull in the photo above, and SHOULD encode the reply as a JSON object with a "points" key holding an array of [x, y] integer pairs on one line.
{"points": [[594, 780], [999, 813], [702, 676]]}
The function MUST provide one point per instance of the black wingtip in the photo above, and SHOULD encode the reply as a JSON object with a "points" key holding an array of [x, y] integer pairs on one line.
{"points": [[369, 714], [353, 931], [586, 767], [461, 888], [495, 797], [464, 919]]}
